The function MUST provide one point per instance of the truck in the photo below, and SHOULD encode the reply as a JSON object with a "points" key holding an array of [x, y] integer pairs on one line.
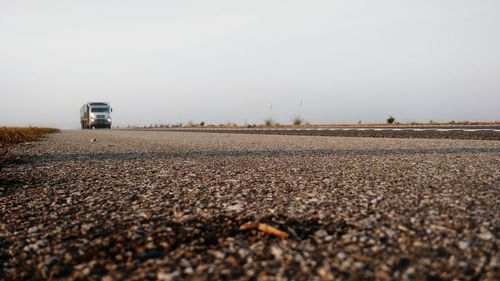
{"points": [[95, 115]]}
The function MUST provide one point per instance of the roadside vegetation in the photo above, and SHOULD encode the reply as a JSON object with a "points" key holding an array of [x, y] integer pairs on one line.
{"points": [[298, 121], [10, 136], [13, 135], [269, 122]]}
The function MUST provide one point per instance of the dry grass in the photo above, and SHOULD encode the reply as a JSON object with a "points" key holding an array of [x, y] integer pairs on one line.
{"points": [[10, 136], [13, 135]]}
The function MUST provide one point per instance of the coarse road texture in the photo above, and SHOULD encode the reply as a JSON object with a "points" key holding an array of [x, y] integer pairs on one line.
{"points": [[427, 132], [168, 206]]}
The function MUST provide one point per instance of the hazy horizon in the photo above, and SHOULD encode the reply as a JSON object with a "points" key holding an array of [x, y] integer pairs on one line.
{"points": [[242, 62]]}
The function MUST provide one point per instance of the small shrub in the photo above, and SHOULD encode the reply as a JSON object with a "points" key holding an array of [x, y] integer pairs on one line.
{"points": [[391, 119], [202, 123], [269, 122], [297, 120]]}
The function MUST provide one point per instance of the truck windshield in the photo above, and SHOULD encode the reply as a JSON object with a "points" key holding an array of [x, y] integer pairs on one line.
{"points": [[99, 109]]}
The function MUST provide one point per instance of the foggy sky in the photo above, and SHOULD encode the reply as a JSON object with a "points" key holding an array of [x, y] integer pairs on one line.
{"points": [[245, 61]]}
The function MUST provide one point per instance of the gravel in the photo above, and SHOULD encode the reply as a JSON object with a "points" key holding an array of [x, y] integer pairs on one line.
{"points": [[402, 132], [108, 205]]}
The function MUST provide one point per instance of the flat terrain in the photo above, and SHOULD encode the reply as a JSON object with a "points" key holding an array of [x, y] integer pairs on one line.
{"points": [[105, 205], [475, 132]]}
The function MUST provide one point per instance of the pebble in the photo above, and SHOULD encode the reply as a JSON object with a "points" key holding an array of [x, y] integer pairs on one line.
{"points": [[321, 233], [217, 254], [277, 253], [486, 235], [188, 270], [462, 245], [236, 207], [107, 278], [162, 276], [32, 229]]}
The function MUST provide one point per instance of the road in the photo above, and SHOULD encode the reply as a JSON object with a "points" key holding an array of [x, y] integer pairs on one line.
{"points": [[115, 204], [429, 132]]}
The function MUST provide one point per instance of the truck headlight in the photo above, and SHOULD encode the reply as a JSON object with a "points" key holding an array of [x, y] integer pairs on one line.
{"points": [[109, 119]]}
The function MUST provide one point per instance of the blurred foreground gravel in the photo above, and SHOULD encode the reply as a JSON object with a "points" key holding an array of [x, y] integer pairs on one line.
{"points": [[168, 206]]}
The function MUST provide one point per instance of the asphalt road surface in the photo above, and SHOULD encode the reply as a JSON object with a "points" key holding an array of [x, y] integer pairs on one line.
{"points": [[146, 205], [491, 132]]}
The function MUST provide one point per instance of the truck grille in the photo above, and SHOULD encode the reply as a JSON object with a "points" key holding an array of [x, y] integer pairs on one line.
{"points": [[100, 116]]}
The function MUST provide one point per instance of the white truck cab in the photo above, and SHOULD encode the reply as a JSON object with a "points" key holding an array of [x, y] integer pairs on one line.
{"points": [[96, 115]]}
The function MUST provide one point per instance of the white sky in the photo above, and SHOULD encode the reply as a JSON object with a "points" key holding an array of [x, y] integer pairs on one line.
{"points": [[228, 61]]}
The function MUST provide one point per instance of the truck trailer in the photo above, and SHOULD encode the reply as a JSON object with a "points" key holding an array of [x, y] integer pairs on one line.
{"points": [[96, 115]]}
